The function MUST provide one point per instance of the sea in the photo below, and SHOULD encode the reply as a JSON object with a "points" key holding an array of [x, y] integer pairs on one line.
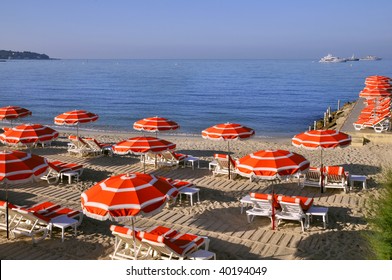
{"points": [[277, 98]]}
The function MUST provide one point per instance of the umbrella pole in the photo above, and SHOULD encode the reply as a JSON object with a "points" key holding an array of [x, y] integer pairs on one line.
{"points": [[273, 208], [228, 157], [134, 238], [6, 209], [322, 173], [144, 163]]}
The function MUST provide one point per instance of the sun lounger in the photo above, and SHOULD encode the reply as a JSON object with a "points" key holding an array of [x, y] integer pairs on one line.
{"points": [[171, 244], [37, 221], [97, 147], [222, 165], [379, 123], [262, 206], [57, 169], [78, 146], [125, 244], [311, 178], [291, 209], [336, 177]]}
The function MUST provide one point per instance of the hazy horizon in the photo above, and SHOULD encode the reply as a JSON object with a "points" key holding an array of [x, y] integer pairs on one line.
{"points": [[205, 29]]}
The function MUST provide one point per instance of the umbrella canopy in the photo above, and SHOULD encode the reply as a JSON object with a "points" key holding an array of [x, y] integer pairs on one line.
{"points": [[124, 196], [272, 164], [155, 124], [321, 140], [13, 112], [228, 132], [19, 167], [75, 117], [28, 134], [142, 145], [374, 92]]}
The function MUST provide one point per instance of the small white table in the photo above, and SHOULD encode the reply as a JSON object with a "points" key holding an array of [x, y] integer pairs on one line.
{"points": [[190, 161], [212, 165], [357, 178], [70, 174], [317, 211], [64, 222], [245, 201], [202, 255], [190, 192]]}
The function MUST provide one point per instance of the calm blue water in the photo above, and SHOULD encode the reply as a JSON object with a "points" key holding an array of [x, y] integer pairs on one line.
{"points": [[275, 97]]}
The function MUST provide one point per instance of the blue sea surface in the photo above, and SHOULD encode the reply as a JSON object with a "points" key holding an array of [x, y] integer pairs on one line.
{"points": [[274, 97]]}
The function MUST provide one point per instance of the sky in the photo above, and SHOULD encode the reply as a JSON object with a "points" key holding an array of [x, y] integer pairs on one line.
{"points": [[197, 29]]}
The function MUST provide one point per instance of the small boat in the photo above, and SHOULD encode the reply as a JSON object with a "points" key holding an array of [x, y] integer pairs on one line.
{"points": [[331, 58], [352, 58], [371, 57]]}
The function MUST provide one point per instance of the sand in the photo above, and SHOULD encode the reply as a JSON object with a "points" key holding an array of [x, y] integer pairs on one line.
{"points": [[218, 213]]}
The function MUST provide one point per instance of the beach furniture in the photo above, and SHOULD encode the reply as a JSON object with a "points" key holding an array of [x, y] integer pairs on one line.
{"points": [[126, 241], [317, 211], [79, 147], [222, 166], [336, 177], [172, 244], [291, 209], [39, 220], [98, 147], [59, 169], [379, 123], [173, 158], [311, 178], [262, 206]]}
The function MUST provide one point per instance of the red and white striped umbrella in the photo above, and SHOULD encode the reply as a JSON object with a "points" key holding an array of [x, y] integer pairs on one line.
{"points": [[142, 145], [272, 164], [21, 167], [28, 134], [18, 167], [321, 140], [124, 196], [155, 124], [375, 92], [228, 132], [377, 78], [13, 112], [75, 117]]}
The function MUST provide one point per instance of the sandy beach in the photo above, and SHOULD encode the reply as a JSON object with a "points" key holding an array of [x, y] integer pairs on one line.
{"points": [[218, 213]]}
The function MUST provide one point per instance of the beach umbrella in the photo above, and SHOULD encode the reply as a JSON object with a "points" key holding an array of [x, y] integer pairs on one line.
{"points": [[321, 140], [270, 165], [74, 118], [228, 132], [374, 93], [28, 135], [18, 167], [13, 112], [142, 145], [123, 197], [155, 124]]}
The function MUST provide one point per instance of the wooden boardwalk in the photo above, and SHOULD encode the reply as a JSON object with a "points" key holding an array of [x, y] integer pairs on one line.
{"points": [[216, 216]]}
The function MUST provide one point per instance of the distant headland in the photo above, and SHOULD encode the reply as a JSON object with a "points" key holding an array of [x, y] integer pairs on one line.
{"points": [[22, 55]]}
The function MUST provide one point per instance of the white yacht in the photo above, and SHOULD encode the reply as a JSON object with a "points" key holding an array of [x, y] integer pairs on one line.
{"points": [[352, 58], [331, 58], [371, 57]]}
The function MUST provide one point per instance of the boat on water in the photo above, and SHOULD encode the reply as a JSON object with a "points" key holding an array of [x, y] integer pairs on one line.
{"points": [[352, 58], [371, 57], [330, 58]]}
